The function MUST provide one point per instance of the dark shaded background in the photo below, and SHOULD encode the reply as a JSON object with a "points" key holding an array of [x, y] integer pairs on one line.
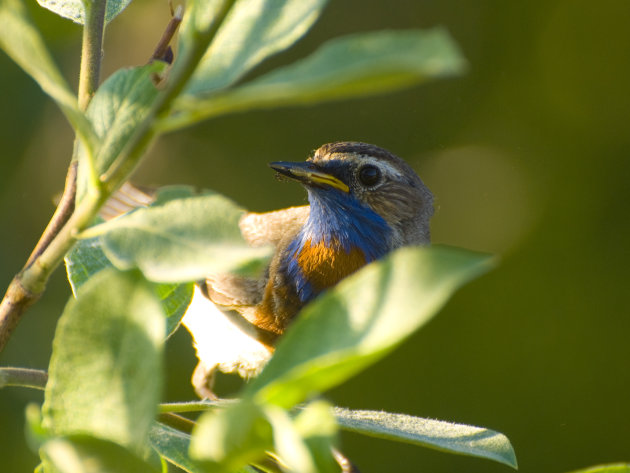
{"points": [[528, 156]]}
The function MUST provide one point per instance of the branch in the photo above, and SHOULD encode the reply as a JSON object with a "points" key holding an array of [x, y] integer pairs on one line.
{"points": [[177, 422], [193, 406], [163, 51], [60, 217], [92, 50], [28, 285], [24, 377], [20, 296]]}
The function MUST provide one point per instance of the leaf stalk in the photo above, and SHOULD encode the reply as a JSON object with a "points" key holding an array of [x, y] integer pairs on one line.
{"points": [[23, 377]]}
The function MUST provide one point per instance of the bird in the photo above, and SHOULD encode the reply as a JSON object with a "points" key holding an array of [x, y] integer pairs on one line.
{"points": [[363, 203]]}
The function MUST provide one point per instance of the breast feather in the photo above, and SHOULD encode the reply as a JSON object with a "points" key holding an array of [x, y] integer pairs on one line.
{"points": [[324, 265]]}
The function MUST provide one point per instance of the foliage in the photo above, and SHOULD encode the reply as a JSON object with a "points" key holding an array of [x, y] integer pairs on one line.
{"points": [[611, 468], [131, 277]]}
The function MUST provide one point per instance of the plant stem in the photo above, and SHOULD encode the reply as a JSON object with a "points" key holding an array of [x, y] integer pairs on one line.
{"points": [[177, 422], [23, 377], [193, 406], [62, 213], [92, 50], [28, 285], [164, 44]]}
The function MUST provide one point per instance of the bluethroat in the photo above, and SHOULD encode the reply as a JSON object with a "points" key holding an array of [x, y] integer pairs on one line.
{"points": [[363, 203]]}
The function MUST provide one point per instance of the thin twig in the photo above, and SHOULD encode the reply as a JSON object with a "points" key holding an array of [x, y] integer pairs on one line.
{"points": [[62, 213], [194, 406], [16, 300], [24, 377], [344, 462], [163, 45], [177, 422]]}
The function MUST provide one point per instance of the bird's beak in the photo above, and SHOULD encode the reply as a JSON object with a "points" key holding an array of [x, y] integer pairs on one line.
{"points": [[307, 173]]}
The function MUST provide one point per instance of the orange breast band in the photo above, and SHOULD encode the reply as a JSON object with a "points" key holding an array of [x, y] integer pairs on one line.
{"points": [[324, 266]]}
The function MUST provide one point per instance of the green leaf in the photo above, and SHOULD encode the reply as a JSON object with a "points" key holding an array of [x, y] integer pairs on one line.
{"points": [[87, 258], [75, 9], [244, 432], [85, 454], [362, 319], [120, 104], [23, 43], [173, 445], [179, 240], [105, 372], [610, 468], [288, 443], [436, 434], [316, 425], [226, 439], [352, 66], [175, 299], [253, 31], [36, 434]]}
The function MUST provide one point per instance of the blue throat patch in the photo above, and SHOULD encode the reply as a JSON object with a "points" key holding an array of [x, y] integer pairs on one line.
{"points": [[340, 220]]}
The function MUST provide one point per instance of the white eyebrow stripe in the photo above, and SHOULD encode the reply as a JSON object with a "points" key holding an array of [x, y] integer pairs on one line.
{"points": [[387, 167]]}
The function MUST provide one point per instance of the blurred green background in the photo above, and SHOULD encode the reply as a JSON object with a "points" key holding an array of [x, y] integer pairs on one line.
{"points": [[528, 157]]}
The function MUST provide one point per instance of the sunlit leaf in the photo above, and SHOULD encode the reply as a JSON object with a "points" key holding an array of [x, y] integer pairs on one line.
{"points": [[351, 66], [362, 319], [179, 240], [229, 438], [22, 42], [253, 31], [120, 104], [610, 468], [175, 299], [85, 454], [36, 434], [173, 445], [317, 427], [288, 443], [75, 9], [436, 434], [105, 372], [87, 258]]}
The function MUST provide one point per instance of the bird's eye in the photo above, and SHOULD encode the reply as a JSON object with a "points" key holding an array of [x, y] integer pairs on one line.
{"points": [[369, 175]]}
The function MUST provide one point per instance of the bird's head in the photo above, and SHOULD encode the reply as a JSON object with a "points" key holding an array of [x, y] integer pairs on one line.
{"points": [[357, 177]]}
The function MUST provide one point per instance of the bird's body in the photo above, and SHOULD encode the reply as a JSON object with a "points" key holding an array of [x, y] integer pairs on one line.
{"points": [[363, 203]]}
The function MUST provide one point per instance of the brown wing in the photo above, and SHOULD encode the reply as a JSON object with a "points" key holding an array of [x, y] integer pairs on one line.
{"points": [[125, 199], [258, 229], [232, 291], [245, 295], [269, 228]]}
